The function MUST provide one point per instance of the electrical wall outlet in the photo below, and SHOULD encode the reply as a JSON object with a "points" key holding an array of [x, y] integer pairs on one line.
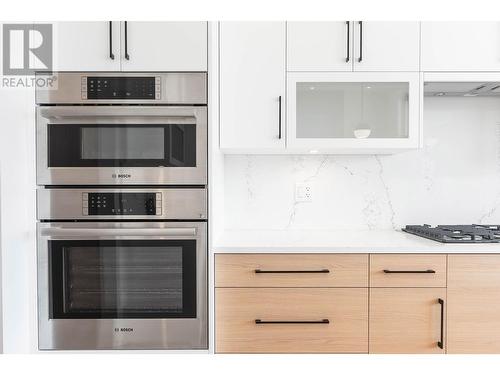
{"points": [[303, 192]]}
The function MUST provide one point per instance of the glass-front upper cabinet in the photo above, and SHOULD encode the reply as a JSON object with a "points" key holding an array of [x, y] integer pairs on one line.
{"points": [[353, 112]]}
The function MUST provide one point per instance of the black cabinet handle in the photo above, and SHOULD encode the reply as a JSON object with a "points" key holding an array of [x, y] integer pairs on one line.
{"points": [[425, 271], [322, 321], [127, 56], [360, 41], [348, 23], [440, 343], [293, 271], [279, 117], [111, 54]]}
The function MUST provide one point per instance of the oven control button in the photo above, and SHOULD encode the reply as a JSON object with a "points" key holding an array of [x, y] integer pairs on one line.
{"points": [[157, 95], [85, 204], [158, 196], [85, 196], [85, 212], [157, 80], [84, 95]]}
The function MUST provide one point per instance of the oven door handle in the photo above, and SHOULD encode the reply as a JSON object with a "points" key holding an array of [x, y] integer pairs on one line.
{"points": [[118, 232], [64, 112]]}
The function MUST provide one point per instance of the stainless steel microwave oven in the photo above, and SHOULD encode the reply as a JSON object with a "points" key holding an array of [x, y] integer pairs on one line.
{"points": [[122, 129]]}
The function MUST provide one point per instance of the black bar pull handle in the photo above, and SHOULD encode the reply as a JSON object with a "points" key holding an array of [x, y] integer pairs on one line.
{"points": [[322, 321], [279, 117], [360, 41], [111, 54], [440, 343], [293, 271], [348, 23], [422, 271], [127, 56]]}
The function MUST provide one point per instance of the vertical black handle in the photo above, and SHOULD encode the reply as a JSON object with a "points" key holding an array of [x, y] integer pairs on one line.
{"points": [[440, 343], [279, 117], [348, 23], [126, 42], [111, 54], [360, 41]]}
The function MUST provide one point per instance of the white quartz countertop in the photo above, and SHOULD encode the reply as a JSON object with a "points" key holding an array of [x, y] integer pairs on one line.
{"points": [[368, 241]]}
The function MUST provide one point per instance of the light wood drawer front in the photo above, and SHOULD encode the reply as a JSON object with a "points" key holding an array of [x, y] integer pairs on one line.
{"points": [[238, 308], [277, 270], [408, 270]]}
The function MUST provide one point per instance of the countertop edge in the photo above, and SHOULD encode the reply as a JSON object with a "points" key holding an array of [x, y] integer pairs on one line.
{"points": [[320, 250]]}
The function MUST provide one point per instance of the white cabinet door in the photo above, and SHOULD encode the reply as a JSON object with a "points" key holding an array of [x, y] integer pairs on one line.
{"points": [[386, 46], [460, 46], [252, 86], [86, 46], [164, 46], [353, 112], [319, 46]]}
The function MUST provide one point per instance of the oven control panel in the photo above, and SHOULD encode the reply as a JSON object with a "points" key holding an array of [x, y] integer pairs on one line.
{"points": [[133, 88], [121, 204]]}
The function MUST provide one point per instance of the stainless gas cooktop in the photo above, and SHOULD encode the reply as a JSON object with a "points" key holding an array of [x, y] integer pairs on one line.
{"points": [[474, 233]]}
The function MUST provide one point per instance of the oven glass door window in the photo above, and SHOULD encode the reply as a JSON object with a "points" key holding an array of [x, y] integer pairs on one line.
{"points": [[111, 145], [122, 279]]}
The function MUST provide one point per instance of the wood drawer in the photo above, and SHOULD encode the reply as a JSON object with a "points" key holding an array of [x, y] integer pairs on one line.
{"points": [[273, 270], [237, 309], [408, 270]]}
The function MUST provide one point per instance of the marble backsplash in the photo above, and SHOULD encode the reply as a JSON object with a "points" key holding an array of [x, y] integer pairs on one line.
{"points": [[454, 178]]}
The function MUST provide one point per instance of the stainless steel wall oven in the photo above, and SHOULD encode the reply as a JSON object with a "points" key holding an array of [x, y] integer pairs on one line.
{"points": [[122, 212]]}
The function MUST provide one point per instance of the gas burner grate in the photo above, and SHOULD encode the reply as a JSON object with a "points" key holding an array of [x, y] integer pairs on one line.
{"points": [[475, 233]]}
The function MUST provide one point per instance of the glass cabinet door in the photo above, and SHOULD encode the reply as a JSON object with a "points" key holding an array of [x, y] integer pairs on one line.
{"points": [[353, 111]]}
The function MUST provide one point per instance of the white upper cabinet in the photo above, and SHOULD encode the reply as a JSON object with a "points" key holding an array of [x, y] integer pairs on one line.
{"points": [[460, 46], [88, 46], [353, 46], [164, 46], [319, 46], [130, 46], [353, 112], [252, 86], [386, 46]]}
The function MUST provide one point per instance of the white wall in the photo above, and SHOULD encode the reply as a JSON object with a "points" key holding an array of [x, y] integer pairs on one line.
{"points": [[455, 178], [1, 283], [17, 218]]}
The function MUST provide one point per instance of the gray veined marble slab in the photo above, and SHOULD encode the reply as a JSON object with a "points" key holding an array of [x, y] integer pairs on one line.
{"points": [[453, 179]]}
